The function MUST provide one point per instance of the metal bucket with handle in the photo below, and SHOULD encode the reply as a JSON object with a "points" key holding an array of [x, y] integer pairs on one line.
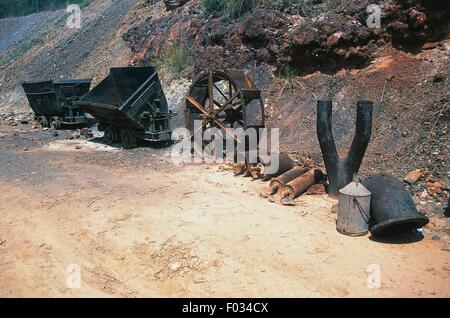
{"points": [[354, 209]]}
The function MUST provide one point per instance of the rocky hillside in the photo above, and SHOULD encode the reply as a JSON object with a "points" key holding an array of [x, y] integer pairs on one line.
{"points": [[41, 46], [296, 54]]}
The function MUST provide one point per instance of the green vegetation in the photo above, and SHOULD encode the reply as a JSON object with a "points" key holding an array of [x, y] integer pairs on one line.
{"points": [[236, 8], [175, 58], [232, 8], [288, 77], [9, 8], [285, 71]]}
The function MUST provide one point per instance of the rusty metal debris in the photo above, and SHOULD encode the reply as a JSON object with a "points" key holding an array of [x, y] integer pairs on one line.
{"points": [[130, 105], [277, 183], [340, 171], [289, 180], [300, 185], [261, 170], [239, 168], [54, 102]]}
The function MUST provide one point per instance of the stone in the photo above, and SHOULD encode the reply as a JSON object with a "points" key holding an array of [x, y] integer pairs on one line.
{"points": [[438, 78], [413, 176], [175, 266], [434, 188]]}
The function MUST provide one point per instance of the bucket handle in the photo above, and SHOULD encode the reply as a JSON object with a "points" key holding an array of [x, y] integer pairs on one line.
{"points": [[364, 215]]}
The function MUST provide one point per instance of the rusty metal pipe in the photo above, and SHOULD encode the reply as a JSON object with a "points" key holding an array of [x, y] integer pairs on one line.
{"points": [[244, 168], [254, 171], [277, 183], [340, 171], [285, 164], [239, 168], [300, 185], [248, 170]]}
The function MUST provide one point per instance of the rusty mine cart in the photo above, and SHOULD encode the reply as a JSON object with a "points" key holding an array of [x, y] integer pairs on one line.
{"points": [[53, 103], [130, 105]]}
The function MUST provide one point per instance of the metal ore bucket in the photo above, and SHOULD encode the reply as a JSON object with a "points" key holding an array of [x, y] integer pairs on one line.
{"points": [[392, 209]]}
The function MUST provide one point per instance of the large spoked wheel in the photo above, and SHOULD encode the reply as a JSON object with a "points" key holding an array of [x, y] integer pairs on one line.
{"points": [[111, 135], [129, 139], [214, 100], [220, 99]]}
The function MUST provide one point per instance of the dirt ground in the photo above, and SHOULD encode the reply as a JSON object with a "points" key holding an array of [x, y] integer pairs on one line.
{"points": [[138, 226]]}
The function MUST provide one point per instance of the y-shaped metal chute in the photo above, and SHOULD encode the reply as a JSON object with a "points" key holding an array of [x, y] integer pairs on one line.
{"points": [[340, 171]]}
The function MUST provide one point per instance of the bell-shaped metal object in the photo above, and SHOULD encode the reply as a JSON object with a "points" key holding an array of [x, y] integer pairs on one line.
{"points": [[392, 209]]}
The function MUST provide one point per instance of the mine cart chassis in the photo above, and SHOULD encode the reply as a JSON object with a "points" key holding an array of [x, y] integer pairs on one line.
{"points": [[129, 137], [56, 122]]}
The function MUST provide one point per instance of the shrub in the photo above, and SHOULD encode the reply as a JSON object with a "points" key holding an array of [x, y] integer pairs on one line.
{"points": [[213, 7], [288, 77], [175, 58], [231, 8]]}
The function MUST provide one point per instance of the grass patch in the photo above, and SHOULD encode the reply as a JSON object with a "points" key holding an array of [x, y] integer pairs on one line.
{"points": [[285, 71], [175, 58], [231, 8], [288, 77], [236, 8]]}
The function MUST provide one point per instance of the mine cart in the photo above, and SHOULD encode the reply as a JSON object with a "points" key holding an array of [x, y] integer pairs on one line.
{"points": [[130, 105], [53, 103]]}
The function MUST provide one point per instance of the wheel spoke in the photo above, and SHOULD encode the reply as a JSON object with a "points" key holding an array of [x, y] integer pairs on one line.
{"points": [[220, 92], [199, 129], [211, 91], [226, 104], [197, 105]]}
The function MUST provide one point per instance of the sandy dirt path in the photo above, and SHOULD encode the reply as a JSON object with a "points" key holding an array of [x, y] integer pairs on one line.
{"points": [[137, 226]]}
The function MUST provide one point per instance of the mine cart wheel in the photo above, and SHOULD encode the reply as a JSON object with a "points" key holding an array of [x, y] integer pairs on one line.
{"points": [[42, 121], [129, 140], [55, 123], [220, 99], [111, 135]]}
